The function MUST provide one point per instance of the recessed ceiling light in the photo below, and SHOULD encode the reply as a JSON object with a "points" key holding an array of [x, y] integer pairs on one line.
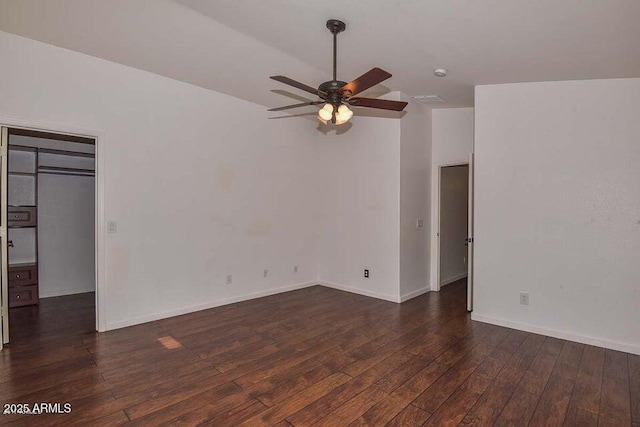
{"points": [[440, 72]]}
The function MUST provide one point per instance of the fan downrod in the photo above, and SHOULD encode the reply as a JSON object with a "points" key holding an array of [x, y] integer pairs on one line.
{"points": [[332, 87]]}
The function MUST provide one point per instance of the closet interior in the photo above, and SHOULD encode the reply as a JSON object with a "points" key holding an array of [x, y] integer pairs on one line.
{"points": [[51, 216]]}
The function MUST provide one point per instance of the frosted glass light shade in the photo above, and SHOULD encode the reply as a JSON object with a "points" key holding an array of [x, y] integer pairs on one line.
{"points": [[325, 112], [343, 115]]}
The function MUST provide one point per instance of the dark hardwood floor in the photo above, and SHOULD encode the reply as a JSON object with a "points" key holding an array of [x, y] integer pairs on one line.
{"points": [[317, 356]]}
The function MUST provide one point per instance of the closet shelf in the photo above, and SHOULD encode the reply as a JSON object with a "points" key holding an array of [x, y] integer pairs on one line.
{"points": [[22, 173], [51, 151]]}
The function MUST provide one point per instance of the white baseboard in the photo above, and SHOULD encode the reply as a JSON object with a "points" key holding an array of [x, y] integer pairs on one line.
{"points": [[216, 303], [454, 278], [416, 293], [359, 291], [584, 339], [62, 292]]}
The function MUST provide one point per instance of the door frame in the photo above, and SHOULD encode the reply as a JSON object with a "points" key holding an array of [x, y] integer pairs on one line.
{"points": [[100, 231], [436, 212], [4, 236]]}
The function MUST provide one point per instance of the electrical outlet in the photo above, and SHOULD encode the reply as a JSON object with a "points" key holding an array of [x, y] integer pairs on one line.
{"points": [[419, 223], [266, 273], [229, 279], [524, 298], [295, 268], [366, 273], [112, 226]]}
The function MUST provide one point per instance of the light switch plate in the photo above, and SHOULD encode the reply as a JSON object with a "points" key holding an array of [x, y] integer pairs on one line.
{"points": [[112, 226]]}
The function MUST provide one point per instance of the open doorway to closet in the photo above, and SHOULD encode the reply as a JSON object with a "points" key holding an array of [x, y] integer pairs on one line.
{"points": [[454, 264], [454, 207], [50, 234]]}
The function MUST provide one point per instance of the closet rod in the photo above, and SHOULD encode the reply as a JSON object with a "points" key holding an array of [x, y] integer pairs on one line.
{"points": [[61, 169], [67, 173], [66, 153]]}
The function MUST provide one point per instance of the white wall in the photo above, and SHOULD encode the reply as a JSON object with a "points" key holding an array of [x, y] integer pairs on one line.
{"points": [[358, 203], [454, 204], [66, 229], [558, 209], [452, 137], [374, 186], [415, 190], [201, 184]]}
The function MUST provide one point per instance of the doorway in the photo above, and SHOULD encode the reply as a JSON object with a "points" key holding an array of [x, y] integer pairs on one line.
{"points": [[454, 254], [49, 236]]}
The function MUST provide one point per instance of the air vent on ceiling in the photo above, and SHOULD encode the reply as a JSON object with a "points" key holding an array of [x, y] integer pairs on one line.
{"points": [[429, 99]]}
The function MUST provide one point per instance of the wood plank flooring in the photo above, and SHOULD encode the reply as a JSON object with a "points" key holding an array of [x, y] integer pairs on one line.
{"points": [[317, 357]]}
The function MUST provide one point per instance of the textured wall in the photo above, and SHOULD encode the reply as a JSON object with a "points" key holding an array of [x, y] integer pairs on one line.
{"points": [[557, 205]]}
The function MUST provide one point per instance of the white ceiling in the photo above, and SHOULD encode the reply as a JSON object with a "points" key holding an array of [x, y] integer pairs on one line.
{"points": [[233, 46]]}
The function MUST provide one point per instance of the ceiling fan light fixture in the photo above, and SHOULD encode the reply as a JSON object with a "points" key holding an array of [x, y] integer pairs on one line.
{"points": [[326, 112]]}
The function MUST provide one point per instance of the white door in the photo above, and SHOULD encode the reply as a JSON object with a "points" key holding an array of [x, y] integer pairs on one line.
{"points": [[470, 238], [4, 260]]}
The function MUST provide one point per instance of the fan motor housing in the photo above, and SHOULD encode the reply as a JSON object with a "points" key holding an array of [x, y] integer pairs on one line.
{"points": [[331, 85], [332, 88]]}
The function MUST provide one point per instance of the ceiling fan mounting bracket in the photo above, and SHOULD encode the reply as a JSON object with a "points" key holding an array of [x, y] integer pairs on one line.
{"points": [[336, 26]]}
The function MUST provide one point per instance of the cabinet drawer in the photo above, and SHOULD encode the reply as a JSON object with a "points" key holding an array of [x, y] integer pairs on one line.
{"points": [[23, 295], [21, 216], [25, 274]]}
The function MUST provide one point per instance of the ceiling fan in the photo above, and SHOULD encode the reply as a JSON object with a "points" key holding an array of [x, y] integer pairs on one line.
{"points": [[336, 95]]}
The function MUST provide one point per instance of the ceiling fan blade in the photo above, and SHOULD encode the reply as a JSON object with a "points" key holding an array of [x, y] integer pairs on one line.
{"points": [[365, 81], [383, 104], [304, 104], [301, 86]]}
